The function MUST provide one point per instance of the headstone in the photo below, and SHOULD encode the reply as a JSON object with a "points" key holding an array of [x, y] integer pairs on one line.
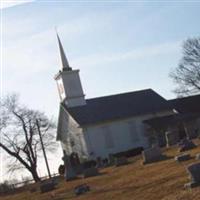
{"points": [[74, 159], [47, 186], [99, 162], [185, 145], [69, 171], [119, 161], [171, 138], [75, 163], [151, 154], [194, 172], [183, 157], [89, 172], [105, 162], [89, 163], [81, 189], [111, 159]]}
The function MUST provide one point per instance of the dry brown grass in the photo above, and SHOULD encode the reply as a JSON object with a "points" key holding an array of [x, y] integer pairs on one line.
{"points": [[163, 180]]}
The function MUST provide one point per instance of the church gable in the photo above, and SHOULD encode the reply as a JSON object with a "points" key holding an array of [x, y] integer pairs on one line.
{"points": [[70, 134], [62, 127], [66, 124]]}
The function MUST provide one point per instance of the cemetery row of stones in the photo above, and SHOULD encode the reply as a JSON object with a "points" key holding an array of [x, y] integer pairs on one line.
{"points": [[154, 154], [73, 168]]}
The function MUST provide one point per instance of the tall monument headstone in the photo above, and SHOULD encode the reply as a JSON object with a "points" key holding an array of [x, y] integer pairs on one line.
{"points": [[70, 173]]}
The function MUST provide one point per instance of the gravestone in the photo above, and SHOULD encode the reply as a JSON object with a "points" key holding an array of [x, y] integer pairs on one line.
{"points": [[119, 161], [111, 159], [99, 162], [194, 173], [89, 172], [185, 145], [182, 157], [105, 162], [70, 173], [171, 138], [47, 186], [152, 154], [75, 163], [81, 189]]}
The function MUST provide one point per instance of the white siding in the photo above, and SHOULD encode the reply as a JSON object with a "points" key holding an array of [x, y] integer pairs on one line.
{"points": [[117, 136], [112, 138], [108, 138], [134, 133]]}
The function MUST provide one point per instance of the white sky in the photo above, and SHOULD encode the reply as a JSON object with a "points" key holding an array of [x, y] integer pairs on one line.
{"points": [[9, 3]]}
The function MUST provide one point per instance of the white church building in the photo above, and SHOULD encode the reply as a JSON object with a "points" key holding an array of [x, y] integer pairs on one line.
{"points": [[104, 125]]}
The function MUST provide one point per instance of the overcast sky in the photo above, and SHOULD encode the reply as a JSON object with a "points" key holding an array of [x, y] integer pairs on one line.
{"points": [[118, 46]]}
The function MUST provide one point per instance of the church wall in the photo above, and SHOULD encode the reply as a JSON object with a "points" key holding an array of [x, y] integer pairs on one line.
{"points": [[60, 89], [193, 128], [71, 102], [70, 88], [71, 136], [73, 88], [71, 79], [116, 136]]}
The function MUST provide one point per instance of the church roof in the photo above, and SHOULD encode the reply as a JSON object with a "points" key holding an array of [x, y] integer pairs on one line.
{"points": [[169, 120], [188, 104], [118, 106]]}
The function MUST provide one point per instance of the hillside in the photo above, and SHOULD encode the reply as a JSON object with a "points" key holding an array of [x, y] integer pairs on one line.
{"points": [[163, 180]]}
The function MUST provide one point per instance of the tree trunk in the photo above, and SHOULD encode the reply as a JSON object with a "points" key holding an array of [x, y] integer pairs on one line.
{"points": [[35, 175]]}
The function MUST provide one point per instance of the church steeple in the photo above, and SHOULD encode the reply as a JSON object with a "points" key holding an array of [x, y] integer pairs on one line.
{"points": [[65, 63], [68, 82]]}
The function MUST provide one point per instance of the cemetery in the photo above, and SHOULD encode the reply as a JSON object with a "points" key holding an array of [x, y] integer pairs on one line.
{"points": [[176, 177]]}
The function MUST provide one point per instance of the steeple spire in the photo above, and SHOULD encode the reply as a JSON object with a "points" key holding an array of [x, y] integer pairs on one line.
{"points": [[65, 64], [68, 82]]}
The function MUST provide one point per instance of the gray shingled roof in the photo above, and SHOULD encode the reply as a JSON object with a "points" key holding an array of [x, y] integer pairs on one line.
{"points": [[118, 106], [188, 104], [164, 121]]}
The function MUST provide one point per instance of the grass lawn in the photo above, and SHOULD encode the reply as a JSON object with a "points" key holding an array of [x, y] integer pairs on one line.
{"points": [[163, 180]]}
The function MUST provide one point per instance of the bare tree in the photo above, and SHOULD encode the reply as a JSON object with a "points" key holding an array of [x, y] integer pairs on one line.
{"points": [[187, 74], [19, 132]]}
